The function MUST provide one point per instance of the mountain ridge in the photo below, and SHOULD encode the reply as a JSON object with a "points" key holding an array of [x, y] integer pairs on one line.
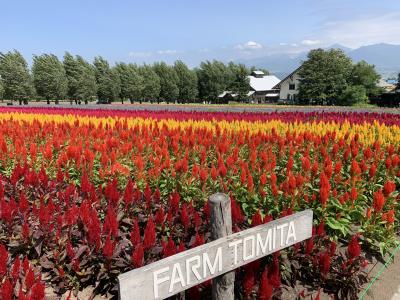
{"points": [[385, 57]]}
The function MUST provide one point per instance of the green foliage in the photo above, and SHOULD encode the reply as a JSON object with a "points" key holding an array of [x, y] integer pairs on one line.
{"points": [[364, 74], [353, 94], [14, 76], [214, 78], [151, 83], [324, 75], [168, 80], [131, 81], [187, 82], [49, 77], [81, 78], [240, 83], [1, 90], [87, 87], [107, 79]]}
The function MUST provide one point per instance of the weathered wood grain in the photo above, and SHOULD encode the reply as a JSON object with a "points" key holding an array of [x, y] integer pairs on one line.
{"points": [[221, 226], [177, 273]]}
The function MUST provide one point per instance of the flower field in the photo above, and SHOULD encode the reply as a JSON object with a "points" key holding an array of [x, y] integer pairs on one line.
{"points": [[88, 194]]}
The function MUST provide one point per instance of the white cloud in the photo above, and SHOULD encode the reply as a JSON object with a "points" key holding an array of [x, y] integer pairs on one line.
{"points": [[310, 42], [364, 30], [168, 52], [250, 45], [140, 54]]}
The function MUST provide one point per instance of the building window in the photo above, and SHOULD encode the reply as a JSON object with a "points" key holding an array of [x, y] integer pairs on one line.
{"points": [[292, 86]]}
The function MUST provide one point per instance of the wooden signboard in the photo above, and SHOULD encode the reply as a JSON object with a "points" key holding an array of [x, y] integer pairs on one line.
{"points": [[179, 272]]}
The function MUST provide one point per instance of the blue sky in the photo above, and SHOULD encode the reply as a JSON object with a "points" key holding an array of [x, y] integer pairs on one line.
{"points": [[146, 31]]}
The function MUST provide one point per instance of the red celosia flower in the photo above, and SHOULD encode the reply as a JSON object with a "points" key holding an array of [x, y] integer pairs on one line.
{"points": [[265, 290], [185, 216], [309, 246], [70, 250], [321, 229], [206, 209], [355, 168], [390, 218], [160, 216], [256, 219], [157, 195], [16, 268], [25, 264], [147, 195], [149, 239], [237, 215], [3, 260], [7, 290], [379, 201], [250, 183], [197, 220], [111, 223], [128, 194], [198, 241], [388, 188], [111, 192], [29, 278], [332, 248], [324, 262], [263, 179], [38, 291], [353, 194], [169, 248], [174, 201], [181, 247], [248, 281], [274, 273], [354, 248], [108, 248], [138, 256]]}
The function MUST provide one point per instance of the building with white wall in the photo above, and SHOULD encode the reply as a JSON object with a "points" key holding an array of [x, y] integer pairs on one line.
{"points": [[262, 87], [289, 86]]}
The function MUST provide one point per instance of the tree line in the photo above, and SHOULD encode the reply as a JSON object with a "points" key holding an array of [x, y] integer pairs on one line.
{"points": [[75, 78], [326, 77], [330, 77]]}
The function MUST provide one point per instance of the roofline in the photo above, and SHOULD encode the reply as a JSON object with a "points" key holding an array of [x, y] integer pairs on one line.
{"points": [[277, 85]]}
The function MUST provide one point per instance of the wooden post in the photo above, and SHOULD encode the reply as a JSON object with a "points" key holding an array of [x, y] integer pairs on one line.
{"points": [[221, 226]]}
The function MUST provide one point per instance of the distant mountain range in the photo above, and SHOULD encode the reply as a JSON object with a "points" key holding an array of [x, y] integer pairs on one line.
{"points": [[385, 57]]}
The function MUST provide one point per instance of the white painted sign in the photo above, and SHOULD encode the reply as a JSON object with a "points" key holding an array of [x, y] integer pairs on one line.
{"points": [[179, 272]]}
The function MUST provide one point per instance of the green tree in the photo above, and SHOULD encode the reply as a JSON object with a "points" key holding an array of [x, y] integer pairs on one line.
{"points": [[213, 78], [49, 77], [73, 73], [87, 87], [324, 76], [14, 76], [168, 80], [187, 82], [107, 79], [131, 81], [353, 94], [240, 83], [1, 90], [151, 84], [365, 75]]}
